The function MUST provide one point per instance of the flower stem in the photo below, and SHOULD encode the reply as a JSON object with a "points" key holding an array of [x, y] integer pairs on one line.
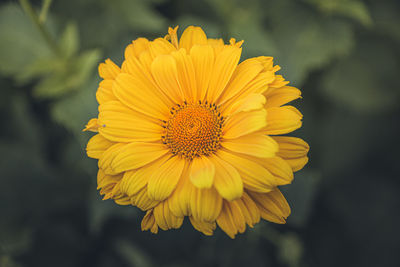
{"points": [[28, 9], [43, 12]]}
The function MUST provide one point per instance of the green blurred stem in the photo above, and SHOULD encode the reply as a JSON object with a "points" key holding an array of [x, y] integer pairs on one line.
{"points": [[44, 11], [28, 9]]}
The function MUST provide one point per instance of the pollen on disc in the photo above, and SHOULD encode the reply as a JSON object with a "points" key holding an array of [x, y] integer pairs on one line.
{"points": [[193, 130]]}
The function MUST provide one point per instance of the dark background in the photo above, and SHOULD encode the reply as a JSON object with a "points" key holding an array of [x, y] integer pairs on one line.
{"points": [[343, 54]]}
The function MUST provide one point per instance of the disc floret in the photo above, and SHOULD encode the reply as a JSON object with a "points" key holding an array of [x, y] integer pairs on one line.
{"points": [[193, 129]]}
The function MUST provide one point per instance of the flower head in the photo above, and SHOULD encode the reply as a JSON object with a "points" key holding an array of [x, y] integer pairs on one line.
{"points": [[184, 130]]}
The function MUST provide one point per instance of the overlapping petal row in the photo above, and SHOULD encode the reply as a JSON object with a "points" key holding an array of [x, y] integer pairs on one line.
{"points": [[232, 187]]}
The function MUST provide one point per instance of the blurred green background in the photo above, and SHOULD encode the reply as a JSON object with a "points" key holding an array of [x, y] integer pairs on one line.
{"points": [[343, 54]]}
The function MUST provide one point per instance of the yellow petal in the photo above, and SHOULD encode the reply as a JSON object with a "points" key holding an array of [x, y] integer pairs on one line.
{"points": [[293, 150], [267, 62], [273, 206], [215, 42], [108, 70], [258, 85], [247, 103], [297, 164], [226, 221], [202, 172], [135, 180], [179, 201], [242, 213], [258, 145], [291, 147], [238, 218], [157, 47], [254, 176], [139, 95], [232, 220], [160, 46], [282, 120], [164, 179], [281, 96], [134, 67], [105, 180], [192, 36], [164, 217], [276, 68], [123, 200], [165, 74], [279, 81], [97, 145], [149, 223], [244, 123], [104, 92], [203, 62], [186, 74], [205, 204], [278, 167], [232, 41], [136, 48], [130, 156], [250, 210], [224, 66], [142, 200], [108, 156], [107, 191], [206, 228], [146, 59], [172, 36], [227, 179], [116, 193], [101, 176], [244, 73], [121, 124], [91, 126]]}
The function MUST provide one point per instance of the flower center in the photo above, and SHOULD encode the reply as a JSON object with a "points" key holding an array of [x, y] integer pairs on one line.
{"points": [[193, 129]]}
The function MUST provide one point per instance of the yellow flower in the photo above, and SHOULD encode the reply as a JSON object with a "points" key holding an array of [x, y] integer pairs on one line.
{"points": [[184, 130]]}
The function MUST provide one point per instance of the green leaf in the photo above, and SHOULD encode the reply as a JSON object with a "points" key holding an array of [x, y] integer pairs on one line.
{"points": [[299, 48], [244, 21], [137, 14], [20, 42], [309, 45], [354, 9], [69, 41], [246, 24], [69, 77], [39, 68]]}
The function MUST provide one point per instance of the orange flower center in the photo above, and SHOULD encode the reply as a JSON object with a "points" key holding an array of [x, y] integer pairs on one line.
{"points": [[193, 129]]}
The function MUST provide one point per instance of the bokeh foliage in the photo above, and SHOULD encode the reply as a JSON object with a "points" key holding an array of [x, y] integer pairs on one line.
{"points": [[343, 54]]}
